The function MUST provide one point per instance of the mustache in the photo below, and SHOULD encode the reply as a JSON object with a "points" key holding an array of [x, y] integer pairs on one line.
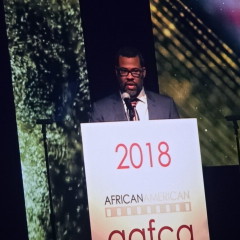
{"points": [[130, 84]]}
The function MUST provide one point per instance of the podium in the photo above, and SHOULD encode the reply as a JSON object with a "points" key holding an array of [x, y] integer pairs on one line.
{"points": [[144, 180]]}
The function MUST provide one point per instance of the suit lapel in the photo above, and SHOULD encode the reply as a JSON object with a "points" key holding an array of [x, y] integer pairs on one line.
{"points": [[152, 107], [118, 111]]}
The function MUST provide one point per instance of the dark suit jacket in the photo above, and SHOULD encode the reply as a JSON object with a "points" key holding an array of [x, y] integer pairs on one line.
{"points": [[111, 108]]}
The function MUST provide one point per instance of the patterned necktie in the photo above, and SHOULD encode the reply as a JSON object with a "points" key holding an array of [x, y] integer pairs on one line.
{"points": [[135, 114]]}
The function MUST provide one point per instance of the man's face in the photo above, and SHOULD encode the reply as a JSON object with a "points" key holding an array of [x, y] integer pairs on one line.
{"points": [[130, 75]]}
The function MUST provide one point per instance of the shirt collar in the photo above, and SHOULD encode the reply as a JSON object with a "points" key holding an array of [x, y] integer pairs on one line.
{"points": [[142, 96]]}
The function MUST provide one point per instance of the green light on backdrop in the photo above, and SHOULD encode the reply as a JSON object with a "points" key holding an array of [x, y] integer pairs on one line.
{"points": [[201, 73], [50, 82]]}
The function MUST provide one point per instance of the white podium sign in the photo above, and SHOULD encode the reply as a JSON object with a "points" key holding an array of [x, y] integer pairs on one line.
{"points": [[144, 180]]}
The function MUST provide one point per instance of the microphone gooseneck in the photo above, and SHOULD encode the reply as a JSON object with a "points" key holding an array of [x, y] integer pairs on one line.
{"points": [[126, 98]]}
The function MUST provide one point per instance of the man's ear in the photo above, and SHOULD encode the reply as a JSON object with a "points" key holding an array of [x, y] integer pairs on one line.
{"points": [[144, 72], [116, 71]]}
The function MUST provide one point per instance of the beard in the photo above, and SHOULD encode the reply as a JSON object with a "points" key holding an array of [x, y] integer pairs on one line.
{"points": [[132, 89], [132, 93]]}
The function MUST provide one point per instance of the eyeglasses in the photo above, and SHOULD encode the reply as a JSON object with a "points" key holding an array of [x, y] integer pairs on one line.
{"points": [[135, 72]]}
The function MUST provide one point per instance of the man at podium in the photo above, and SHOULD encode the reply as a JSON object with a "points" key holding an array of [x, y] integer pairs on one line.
{"points": [[132, 102]]}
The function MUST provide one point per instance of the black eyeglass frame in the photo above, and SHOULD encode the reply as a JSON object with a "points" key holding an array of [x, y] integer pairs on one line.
{"points": [[126, 73]]}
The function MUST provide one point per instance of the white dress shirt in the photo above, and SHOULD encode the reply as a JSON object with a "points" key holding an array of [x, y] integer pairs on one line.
{"points": [[141, 107]]}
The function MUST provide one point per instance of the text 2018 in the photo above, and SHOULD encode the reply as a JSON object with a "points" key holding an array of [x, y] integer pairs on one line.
{"points": [[129, 158]]}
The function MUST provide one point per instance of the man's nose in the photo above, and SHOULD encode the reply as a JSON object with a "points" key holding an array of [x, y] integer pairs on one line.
{"points": [[130, 76]]}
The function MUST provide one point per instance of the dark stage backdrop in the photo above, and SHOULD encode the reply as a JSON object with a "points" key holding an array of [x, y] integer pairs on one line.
{"points": [[62, 56], [109, 25]]}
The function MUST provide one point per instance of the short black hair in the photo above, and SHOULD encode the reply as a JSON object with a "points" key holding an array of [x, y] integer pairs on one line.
{"points": [[129, 51]]}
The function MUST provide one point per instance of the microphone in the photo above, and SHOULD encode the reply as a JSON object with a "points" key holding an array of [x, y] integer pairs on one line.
{"points": [[126, 98]]}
